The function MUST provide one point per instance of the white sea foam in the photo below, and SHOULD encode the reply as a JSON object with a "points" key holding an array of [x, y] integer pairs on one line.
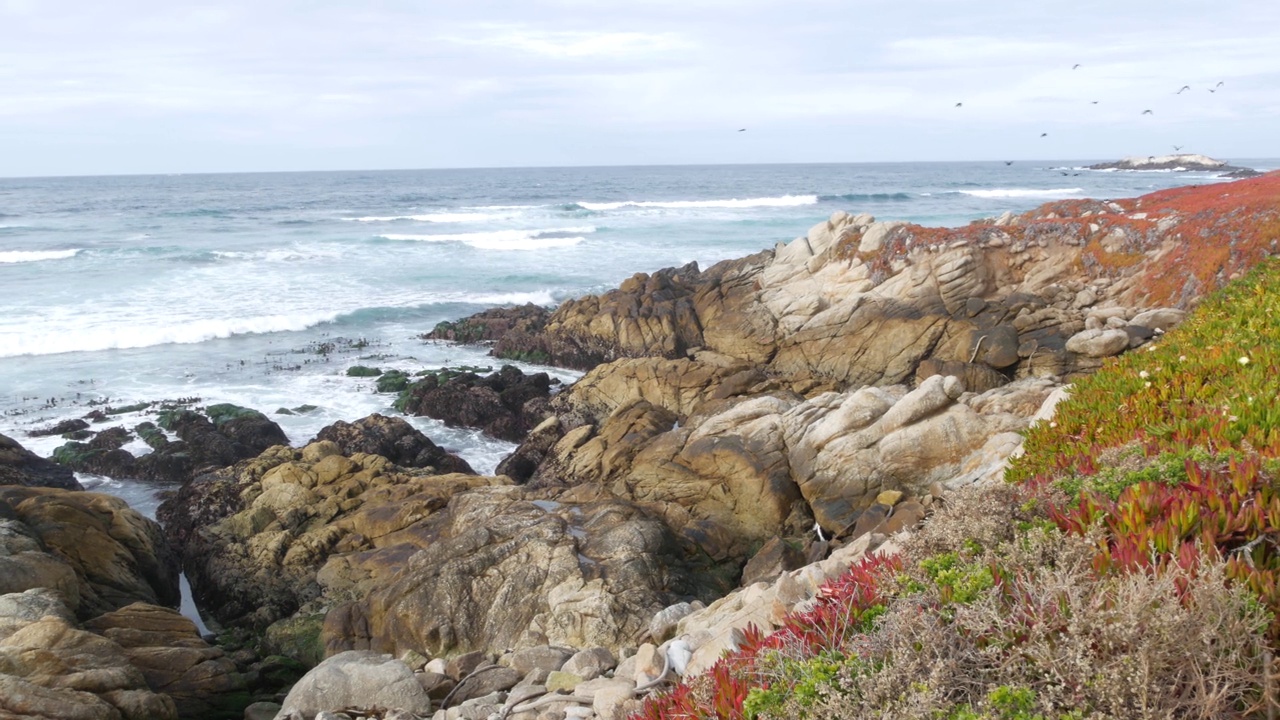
{"points": [[113, 337], [783, 201], [1023, 193], [537, 297], [506, 239], [277, 255], [441, 217], [25, 256]]}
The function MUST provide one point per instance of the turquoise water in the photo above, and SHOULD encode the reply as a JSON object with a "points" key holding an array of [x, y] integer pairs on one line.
{"points": [[121, 290]]}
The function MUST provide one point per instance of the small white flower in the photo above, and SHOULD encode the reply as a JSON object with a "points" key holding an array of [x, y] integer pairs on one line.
{"points": [[1182, 358], [1151, 348], [1148, 384], [1244, 360], [1144, 375], [1053, 424]]}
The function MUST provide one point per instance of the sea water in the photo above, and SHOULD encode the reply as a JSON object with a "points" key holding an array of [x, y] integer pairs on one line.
{"points": [[262, 289]]}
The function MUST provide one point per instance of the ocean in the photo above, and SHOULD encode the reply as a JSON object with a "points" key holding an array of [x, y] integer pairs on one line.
{"points": [[261, 289]]}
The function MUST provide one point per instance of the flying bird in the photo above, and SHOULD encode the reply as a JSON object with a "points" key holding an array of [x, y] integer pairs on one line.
{"points": [[1184, 87], [1177, 148], [959, 104], [1093, 102], [1220, 84], [1213, 90], [1147, 112], [742, 129], [1044, 134], [1073, 67], [1008, 162]]}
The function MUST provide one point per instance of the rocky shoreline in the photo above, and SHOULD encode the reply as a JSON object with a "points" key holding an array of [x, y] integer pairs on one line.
{"points": [[741, 436]]}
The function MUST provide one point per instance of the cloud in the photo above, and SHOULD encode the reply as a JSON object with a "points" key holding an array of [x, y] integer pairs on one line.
{"points": [[565, 44], [573, 81]]}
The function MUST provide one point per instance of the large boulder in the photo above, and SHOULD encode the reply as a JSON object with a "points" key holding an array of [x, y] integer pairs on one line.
{"points": [[19, 466], [356, 679], [51, 669], [394, 439], [499, 568], [93, 548], [174, 660], [254, 562]]}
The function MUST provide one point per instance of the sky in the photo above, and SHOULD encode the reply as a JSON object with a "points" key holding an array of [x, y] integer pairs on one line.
{"points": [[133, 86]]}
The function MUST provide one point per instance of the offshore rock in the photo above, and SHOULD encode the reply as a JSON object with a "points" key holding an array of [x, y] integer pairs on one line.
{"points": [[219, 436], [517, 330]]}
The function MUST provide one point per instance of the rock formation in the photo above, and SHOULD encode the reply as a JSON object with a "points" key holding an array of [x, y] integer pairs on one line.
{"points": [[505, 404], [1183, 162], [217, 437], [394, 559], [93, 549], [394, 439], [19, 466]]}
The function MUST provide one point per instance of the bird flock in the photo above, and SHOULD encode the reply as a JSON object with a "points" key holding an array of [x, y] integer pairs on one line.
{"points": [[1184, 88]]}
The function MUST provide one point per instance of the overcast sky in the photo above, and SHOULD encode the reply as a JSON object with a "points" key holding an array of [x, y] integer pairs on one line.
{"points": [[134, 86]]}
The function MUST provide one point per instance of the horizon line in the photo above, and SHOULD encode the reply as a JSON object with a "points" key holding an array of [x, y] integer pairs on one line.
{"points": [[552, 167]]}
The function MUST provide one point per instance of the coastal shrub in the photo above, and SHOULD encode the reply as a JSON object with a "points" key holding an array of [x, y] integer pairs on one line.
{"points": [[1010, 621], [1176, 451]]}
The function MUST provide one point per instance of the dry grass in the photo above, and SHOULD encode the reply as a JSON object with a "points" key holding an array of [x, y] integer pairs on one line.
{"points": [[1050, 630]]}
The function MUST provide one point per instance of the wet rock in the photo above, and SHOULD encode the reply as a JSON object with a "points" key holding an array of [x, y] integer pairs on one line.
{"points": [[61, 428], [505, 404], [19, 466], [394, 439]]}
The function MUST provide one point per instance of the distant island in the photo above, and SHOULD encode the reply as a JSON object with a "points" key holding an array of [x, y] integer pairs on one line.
{"points": [[1183, 162]]}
